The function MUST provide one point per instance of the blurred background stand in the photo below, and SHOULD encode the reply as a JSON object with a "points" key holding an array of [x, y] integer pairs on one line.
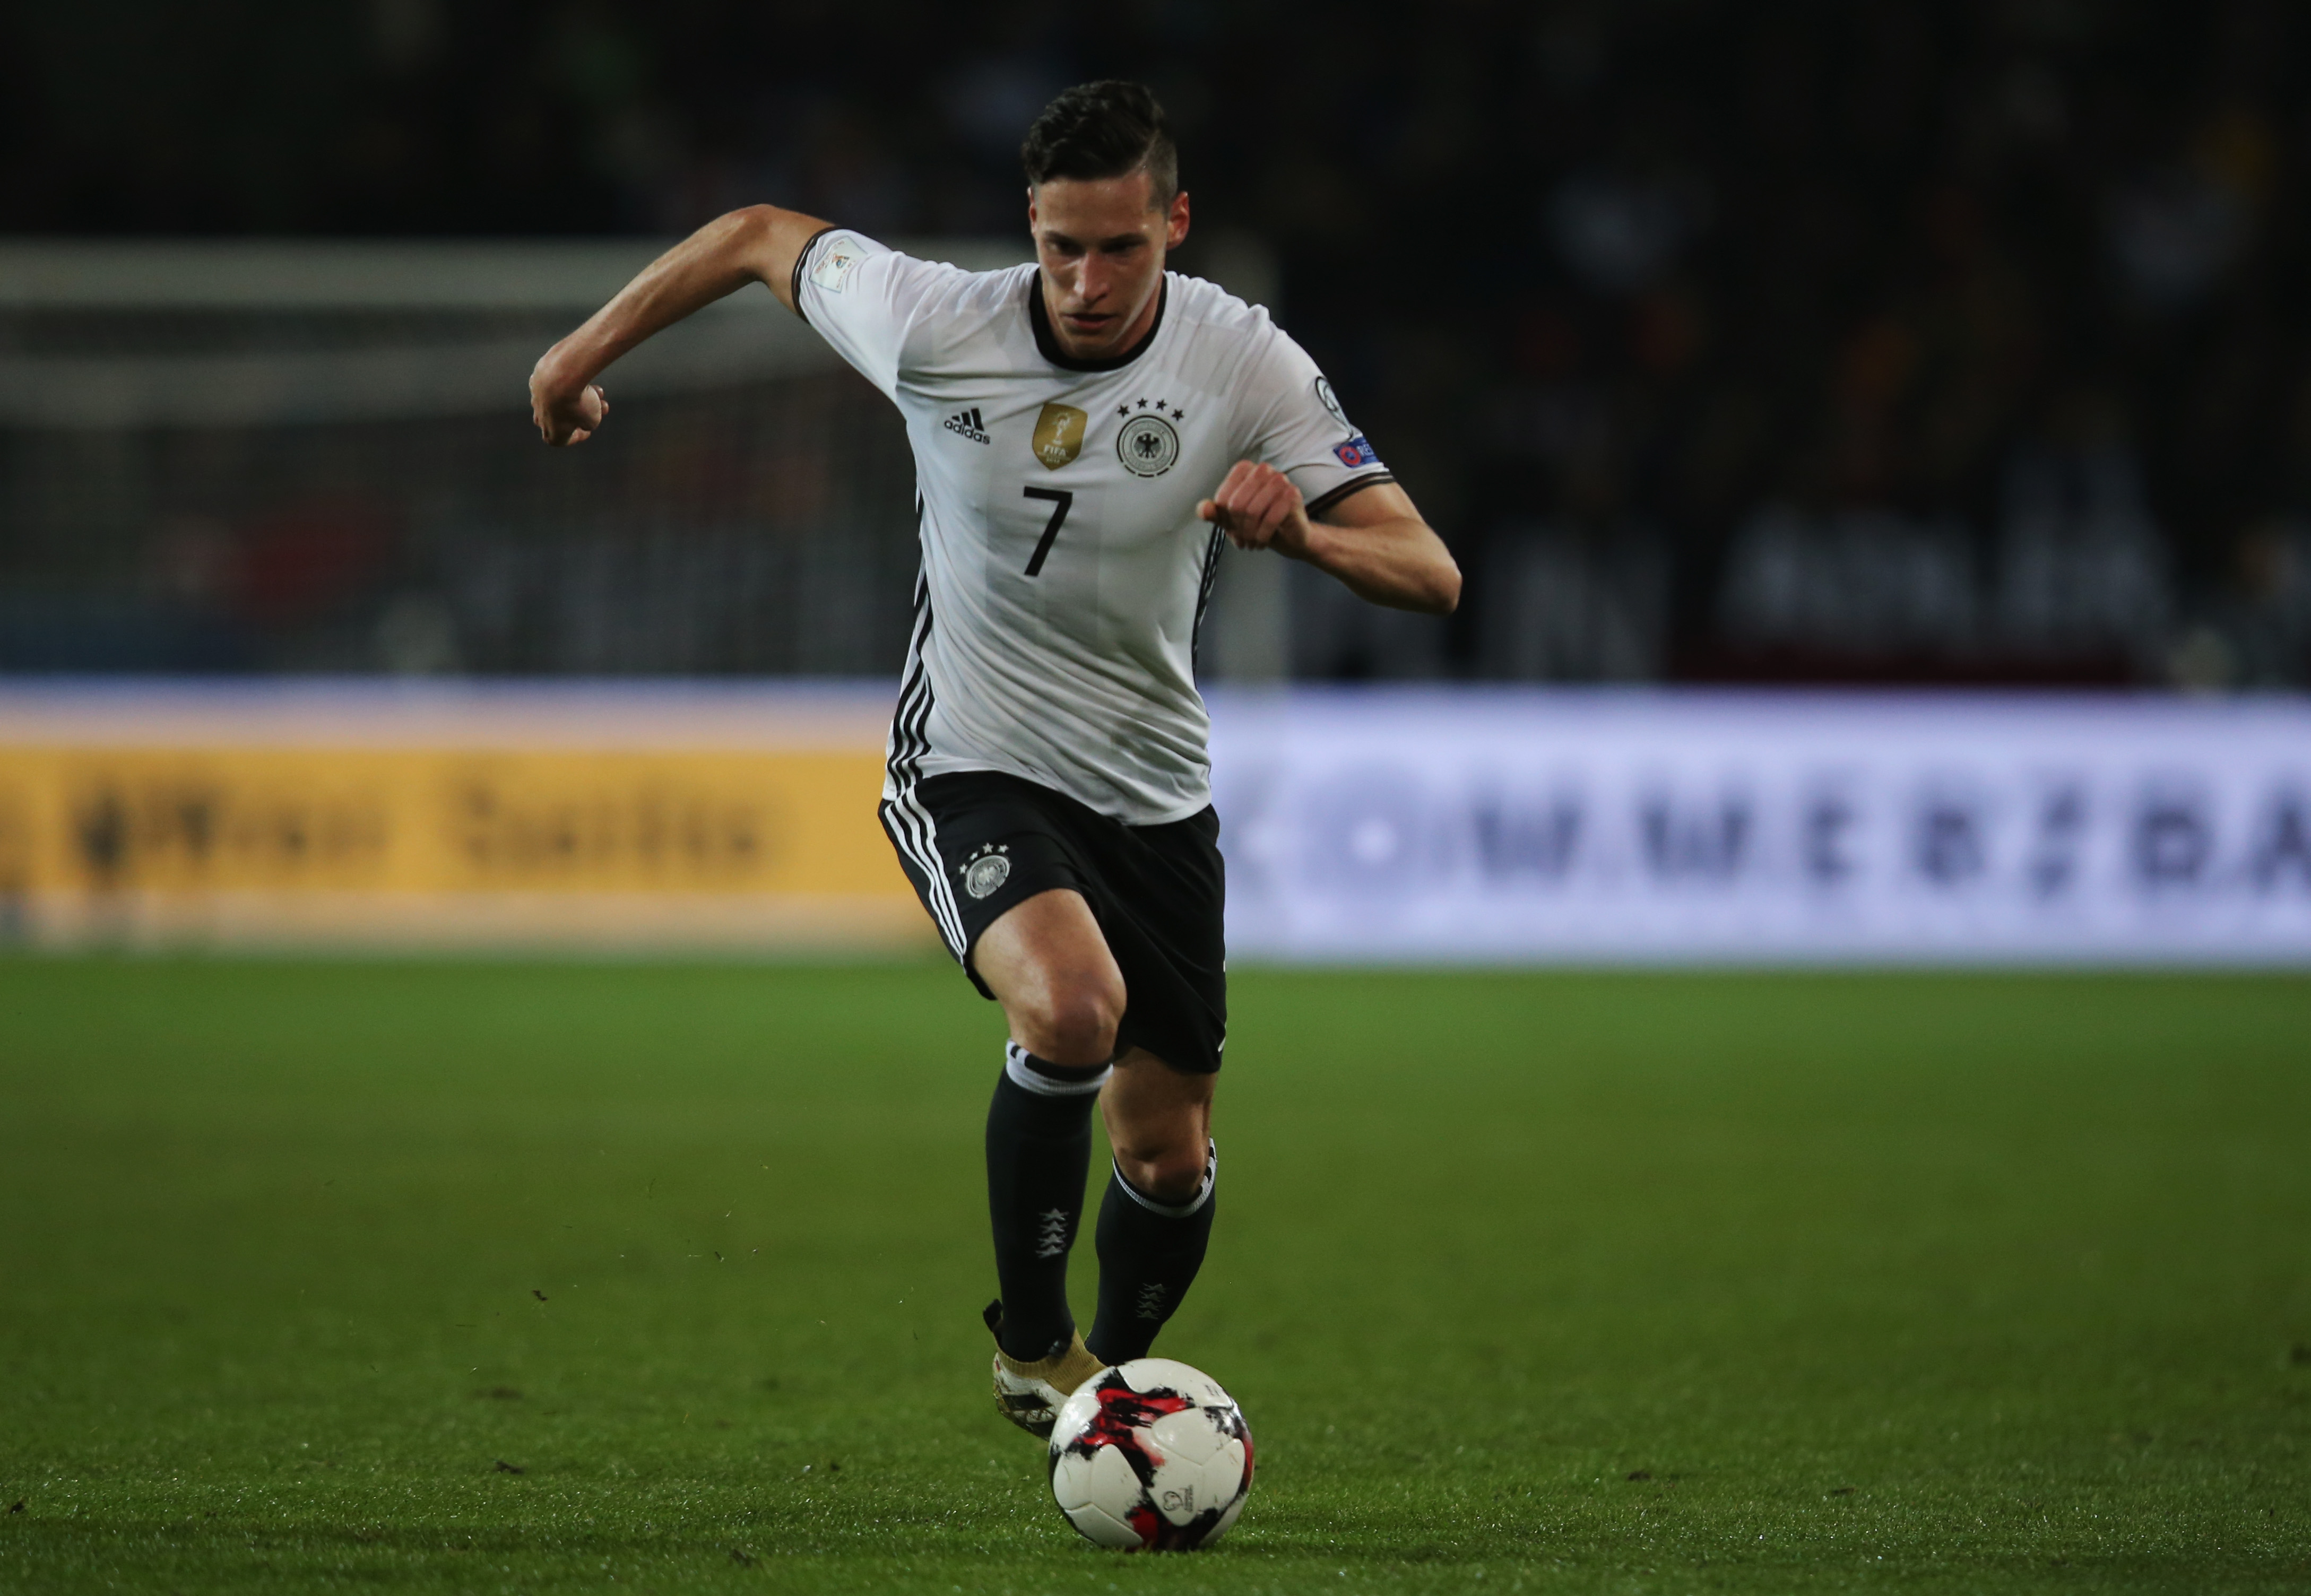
{"points": [[315, 456], [1724, 343]]}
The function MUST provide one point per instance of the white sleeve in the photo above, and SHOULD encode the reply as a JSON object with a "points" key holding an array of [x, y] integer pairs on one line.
{"points": [[1297, 425], [862, 298]]}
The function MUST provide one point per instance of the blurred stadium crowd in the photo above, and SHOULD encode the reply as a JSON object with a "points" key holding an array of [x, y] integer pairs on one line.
{"points": [[1725, 342]]}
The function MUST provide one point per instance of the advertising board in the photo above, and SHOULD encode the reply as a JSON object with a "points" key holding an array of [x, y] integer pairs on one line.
{"points": [[451, 816], [1471, 825], [1515, 825]]}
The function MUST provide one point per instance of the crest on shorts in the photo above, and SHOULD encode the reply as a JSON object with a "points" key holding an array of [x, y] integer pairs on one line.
{"points": [[1058, 437], [985, 870]]}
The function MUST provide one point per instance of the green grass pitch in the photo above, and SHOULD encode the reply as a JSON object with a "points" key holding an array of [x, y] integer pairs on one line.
{"points": [[501, 1276]]}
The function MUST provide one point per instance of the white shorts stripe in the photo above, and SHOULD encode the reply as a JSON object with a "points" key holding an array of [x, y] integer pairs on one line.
{"points": [[925, 858], [912, 824]]}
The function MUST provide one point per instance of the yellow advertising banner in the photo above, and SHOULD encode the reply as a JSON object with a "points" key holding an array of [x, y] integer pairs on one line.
{"points": [[274, 840]]}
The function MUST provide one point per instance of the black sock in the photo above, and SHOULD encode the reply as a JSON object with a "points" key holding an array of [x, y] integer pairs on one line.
{"points": [[1149, 1255], [1038, 1157]]}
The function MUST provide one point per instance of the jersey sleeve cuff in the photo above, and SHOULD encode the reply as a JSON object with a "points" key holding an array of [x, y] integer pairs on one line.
{"points": [[802, 259], [1348, 489]]}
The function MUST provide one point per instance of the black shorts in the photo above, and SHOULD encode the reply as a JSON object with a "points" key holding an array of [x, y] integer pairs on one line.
{"points": [[1156, 891]]}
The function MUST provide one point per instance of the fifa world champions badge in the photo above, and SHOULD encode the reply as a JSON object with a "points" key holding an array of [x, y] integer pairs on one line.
{"points": [[1058, 435]]}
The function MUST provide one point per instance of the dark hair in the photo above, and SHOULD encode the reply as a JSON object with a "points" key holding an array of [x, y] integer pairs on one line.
{"points": [[1107, 129]]}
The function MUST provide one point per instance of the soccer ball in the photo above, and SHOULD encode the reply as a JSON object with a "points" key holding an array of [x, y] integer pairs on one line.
{"points": [[1151, 1455]]}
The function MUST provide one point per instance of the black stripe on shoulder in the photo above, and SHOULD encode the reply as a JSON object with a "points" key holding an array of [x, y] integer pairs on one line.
{"points": [[1348, 489], [794, 283]]}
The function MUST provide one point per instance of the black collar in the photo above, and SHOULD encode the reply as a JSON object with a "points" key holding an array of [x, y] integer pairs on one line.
{"points": [[1048, 347]]}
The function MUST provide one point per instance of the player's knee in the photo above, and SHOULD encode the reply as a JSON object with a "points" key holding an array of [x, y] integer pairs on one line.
{"points": [[1167, 1168], [1073, 1022]]}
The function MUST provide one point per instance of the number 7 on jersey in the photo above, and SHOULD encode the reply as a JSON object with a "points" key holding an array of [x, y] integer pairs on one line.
{"points": [[1061, 499]]}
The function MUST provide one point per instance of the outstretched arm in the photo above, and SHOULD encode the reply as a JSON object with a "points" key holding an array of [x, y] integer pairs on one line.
{"points": [[756, 245], [1373, 540]]}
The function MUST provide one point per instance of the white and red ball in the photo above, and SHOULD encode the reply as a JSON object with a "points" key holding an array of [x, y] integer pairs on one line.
{"points": [[1152, 1455]]}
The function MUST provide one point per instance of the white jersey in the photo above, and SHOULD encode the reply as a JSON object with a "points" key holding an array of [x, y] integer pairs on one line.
{"points": [[1064, 570]]}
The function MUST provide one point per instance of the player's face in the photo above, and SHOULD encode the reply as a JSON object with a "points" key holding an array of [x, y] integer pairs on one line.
{"points": [[1102, 244]]}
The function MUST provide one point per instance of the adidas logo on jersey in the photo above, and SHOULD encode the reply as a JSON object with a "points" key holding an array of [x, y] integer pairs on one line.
{"points": [[966, 422]]}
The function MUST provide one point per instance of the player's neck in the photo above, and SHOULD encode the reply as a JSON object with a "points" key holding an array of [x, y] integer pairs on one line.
{"points": [[1050, 333]]}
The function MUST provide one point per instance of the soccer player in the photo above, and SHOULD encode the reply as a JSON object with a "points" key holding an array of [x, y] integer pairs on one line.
{"points": [[1087, 430]]}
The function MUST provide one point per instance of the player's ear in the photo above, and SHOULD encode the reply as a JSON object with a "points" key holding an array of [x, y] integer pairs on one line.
{"points": [[1031, 210], [1175, 222]]}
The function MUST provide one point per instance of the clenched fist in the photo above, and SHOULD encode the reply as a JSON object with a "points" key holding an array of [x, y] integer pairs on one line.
{"points": [[564, 416], [1258, 508]]}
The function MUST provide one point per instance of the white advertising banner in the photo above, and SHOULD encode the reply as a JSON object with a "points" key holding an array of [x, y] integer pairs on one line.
{"points": [[1521, 826]]}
